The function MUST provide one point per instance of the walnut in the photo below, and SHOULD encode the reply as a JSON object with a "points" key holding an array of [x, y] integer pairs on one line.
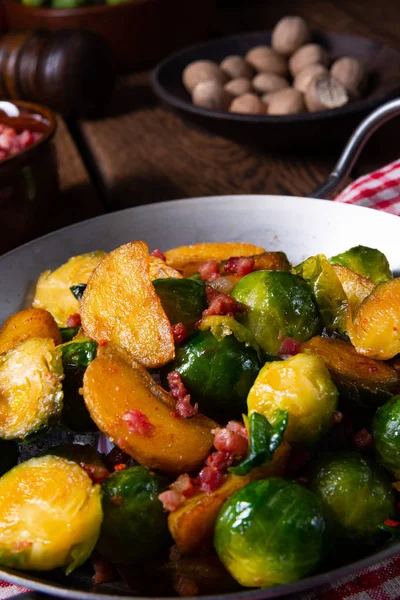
{"points": [[286, 102], [350, 72], [310, 54], [289, 35], [236, 67], [264, 60], [305, 76], [202, 70], [212, 95], [238, 87], [248, 104], [269, 82], [325, 93]]}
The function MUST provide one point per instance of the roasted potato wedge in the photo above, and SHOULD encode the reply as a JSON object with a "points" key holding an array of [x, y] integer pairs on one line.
{"points": [[53, 287], [159, 269], [374, 329], [188, 258], [121, 306], [363, 379], [356, 287], [32, 322], [192, 525], [138, 415]]}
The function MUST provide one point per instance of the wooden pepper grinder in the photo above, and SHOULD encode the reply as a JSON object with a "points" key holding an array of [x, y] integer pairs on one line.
{"points": [[70, 70]]}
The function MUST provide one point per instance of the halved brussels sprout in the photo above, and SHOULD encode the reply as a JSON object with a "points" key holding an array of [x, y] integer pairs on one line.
{"points": [[280, 305], [135, 525], [221, 326], [386, 434], [374, 330], [328, 291], [367, 262], [356, 287], [362, 379], [32, 322], [302, 386], [356, 494], [183, 300], [53, 287], [50, 515], [218, 374], [30, 388], [270, 533]]}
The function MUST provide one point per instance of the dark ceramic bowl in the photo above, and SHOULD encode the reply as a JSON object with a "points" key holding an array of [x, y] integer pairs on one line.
{"points": [[28, 182], [285, 132]]}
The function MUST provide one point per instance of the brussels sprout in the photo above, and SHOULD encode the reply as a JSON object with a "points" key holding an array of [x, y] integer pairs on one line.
{"points": [[386, 433], [328, 292], [280, 305], [364, 380], [53, 287], [302, 386], [68, 333], [270, 532], [30, 388], [221, 326], [356, 494], [135, 525], [355, 287], [368, 262], [218, 374], [76, 356], [50, 515], [183, 300]]}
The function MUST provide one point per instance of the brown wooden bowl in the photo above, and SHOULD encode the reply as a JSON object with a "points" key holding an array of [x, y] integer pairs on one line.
{"points": [[29, 182], [139, 33], [289, 131]]}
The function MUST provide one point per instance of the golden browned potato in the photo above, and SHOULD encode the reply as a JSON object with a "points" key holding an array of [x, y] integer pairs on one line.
{"points": [[183, 257], [192, 525], [266, 261], [121, 306], [138, 415], [53, 287], [32, 322], [356, 287]]}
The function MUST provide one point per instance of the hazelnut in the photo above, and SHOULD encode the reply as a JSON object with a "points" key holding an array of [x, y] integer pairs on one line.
{"points": [[324, 93], [235, 67], [305, 76], [248, 104], [269, 82], [202, 70], [238, 87], [212, 95], [286, 102], [267, 97], [264, 60], [310, 54], [289, 34], [350, 72]]}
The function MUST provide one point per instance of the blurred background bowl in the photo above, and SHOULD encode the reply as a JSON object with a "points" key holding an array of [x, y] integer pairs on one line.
{"points": [[139, 32]]}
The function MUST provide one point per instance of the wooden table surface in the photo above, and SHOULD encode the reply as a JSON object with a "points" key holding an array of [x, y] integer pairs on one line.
{"points": [[140, 152]]}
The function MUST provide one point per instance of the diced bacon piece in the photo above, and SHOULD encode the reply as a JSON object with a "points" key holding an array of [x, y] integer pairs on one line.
{"points": [[178, 390], [223, 304], [185, 409], [220, 460], [179, 332], [226, 440], [138, 423], [158, 254], [362, 440], [74, 320], [185, 586], [184, 485], [209, 270], [237, 428], [103, 570], [172, 500], [210, 479], [289, 347], [241, 265], [97, 473], [26, 139]]}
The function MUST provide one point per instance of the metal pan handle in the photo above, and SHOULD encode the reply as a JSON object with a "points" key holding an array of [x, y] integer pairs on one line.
{"points": [[354, 146]]}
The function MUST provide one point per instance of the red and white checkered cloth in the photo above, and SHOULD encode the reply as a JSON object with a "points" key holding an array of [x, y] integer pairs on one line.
{"points": [[379, 190]]}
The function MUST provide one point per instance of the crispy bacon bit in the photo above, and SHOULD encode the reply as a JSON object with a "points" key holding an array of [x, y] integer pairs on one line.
{"points": [[117, 500], [237, 428], [222, 304], [209, 270], [226, 440], [210, 479], [97, 473], [241, 265], [289, 347], [179, 333], [185, 586], [116, 457], [220, 460], [120, 467], [362, 440], [138, 423], [178, 390], [337, 417], [158, 254], [391, 523], [103, 570], [172, 500], [184, 485], [74, 320]]}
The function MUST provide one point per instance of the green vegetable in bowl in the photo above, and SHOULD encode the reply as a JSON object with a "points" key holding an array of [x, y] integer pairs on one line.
{"points": [[183, 300], [386, 434], [68, 333], [302, 386], [135, 525], [30, 388], [356, 493], [50, 515], [217, 373], [270, 532], [77, 355], [280, 305], [368, 262]]}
